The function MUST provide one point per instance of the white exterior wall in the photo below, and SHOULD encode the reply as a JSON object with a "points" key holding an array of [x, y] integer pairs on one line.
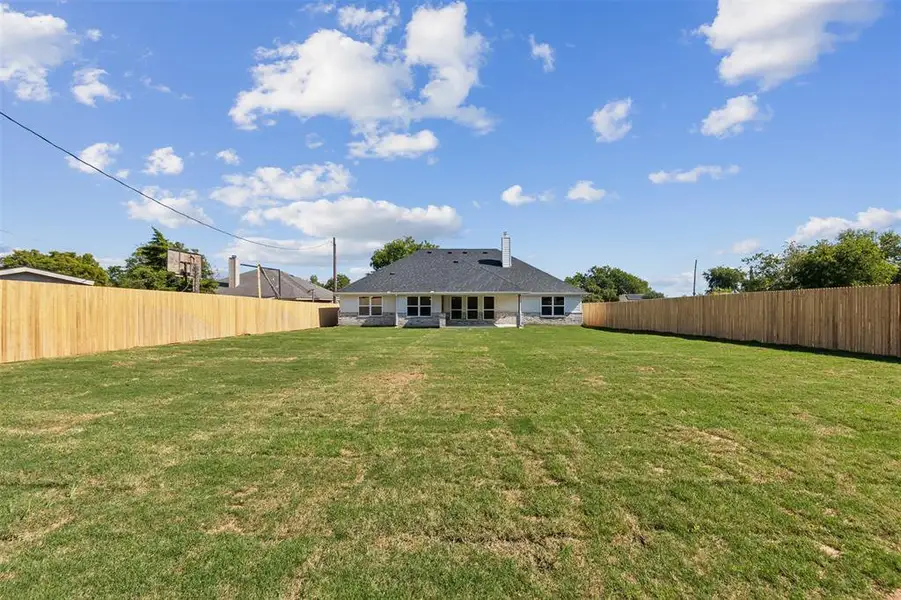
{"points": [[531, 304], [349, 304], [505, 303], [572, 304]]}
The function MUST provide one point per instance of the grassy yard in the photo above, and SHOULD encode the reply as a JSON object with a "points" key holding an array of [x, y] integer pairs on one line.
{"points": [[547, 462]]}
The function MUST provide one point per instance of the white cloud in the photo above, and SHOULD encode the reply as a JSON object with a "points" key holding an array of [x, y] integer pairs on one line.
{"points": [[314, 140], [694, 175], [374, 24], [771, 41], [31, 45], [145, 210], [164, 161], [269, 185], [101, 155], [320, 7], [817, 228], [674, 285], [94, 35], [744, 246], [123, 173], [328, 74], [107, 262], [159, 87], [312, 252], [394, 145], [87, 87], [437, 38], [584, 191], [333, 74], [730, 119], [611, 123], [543, 52], [229, 156], [475, 204], [514, 197], [363, 220]]}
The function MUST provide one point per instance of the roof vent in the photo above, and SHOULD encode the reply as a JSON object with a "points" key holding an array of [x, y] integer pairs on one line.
{"points": [[449, 252], [464, 252], [428, 251], [456, 262]]}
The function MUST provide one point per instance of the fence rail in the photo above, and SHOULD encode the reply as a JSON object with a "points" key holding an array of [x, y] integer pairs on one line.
{"points": [[857, 319], [43, 320]]}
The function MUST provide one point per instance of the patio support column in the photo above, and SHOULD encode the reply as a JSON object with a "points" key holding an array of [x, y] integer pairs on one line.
{"points": [[519, 310]]}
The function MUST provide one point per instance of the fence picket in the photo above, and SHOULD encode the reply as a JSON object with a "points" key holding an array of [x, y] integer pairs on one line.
{"points": [[860, 319]]}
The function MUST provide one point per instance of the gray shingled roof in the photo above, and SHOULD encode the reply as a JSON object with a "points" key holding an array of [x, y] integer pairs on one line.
{"points": [[292, 287], [458, 270]]}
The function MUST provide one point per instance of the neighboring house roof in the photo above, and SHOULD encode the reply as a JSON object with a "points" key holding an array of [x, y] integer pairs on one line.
{"points": [[630, 297], [292, 287], [5, 273], [458, 270]]}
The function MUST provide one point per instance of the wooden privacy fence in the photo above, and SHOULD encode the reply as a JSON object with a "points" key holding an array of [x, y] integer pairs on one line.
{"points": [[857, 319], [43, 320]]}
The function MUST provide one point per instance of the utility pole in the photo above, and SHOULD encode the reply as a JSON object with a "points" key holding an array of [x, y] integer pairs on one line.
{"points": [[334, 266], [259, 281], [694, 280], [196, 274]]}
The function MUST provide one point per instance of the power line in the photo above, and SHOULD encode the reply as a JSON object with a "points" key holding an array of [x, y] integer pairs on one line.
{"points": [[152, 199]]}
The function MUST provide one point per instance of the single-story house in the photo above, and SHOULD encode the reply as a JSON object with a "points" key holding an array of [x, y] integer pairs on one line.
{"points": [[631, 297], [40, 276], [447, 287], [289, 287]]}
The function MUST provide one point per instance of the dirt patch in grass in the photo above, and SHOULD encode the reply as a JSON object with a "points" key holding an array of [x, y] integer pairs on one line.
{"points": [[273, 359], [632, 538], [716, 441], [57, 425], [830, 551], [595, 381], [646, 369]]}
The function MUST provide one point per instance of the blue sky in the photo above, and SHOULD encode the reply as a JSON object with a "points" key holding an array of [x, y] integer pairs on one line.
{"points": [[706, 129]]}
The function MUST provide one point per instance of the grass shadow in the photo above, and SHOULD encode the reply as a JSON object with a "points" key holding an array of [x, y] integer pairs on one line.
{"points": [[755, 344]]}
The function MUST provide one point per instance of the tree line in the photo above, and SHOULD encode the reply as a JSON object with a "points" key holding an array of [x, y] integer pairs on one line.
{"points": [[145, 269], [856, 257]]}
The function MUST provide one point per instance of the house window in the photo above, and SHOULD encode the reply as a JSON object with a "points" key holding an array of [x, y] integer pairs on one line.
{"points": [[472, 308], [370, 306], [419, 306], [488, 308], [552, 306], [456, 307]]}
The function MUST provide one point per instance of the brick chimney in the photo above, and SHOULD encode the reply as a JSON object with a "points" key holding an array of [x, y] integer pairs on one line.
{"points": [[234, 274], [506, 257]]}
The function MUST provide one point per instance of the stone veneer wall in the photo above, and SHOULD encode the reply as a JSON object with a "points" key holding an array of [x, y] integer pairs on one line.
{"points": [[386, 320], [436, 320], [537, 319]]}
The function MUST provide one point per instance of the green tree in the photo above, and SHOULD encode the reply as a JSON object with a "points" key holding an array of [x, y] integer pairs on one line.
{"points": [[343, 281], [84, 266], [855, 258], [605, 284], [724, 280], [145, 269], [397, 249]]}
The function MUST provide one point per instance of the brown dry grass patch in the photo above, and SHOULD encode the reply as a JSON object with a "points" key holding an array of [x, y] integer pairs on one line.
{"points": [[58, 424]]}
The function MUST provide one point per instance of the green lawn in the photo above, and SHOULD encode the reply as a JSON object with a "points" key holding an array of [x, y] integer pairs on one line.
{"points": [[546, 462]]}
